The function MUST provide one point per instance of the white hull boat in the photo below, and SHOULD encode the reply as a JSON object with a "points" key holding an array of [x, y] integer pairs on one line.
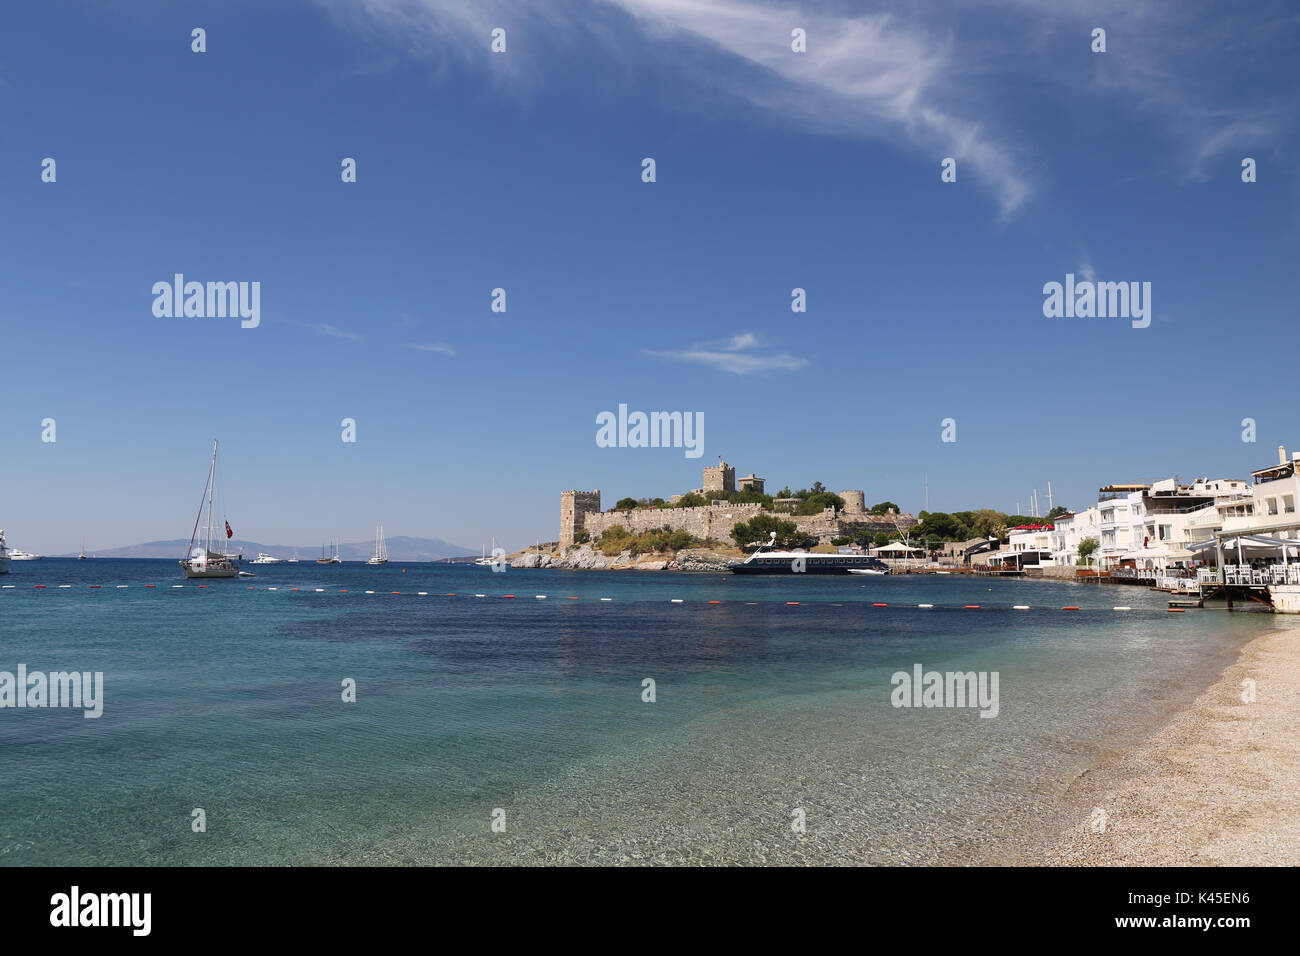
{"points": [[204, 562], [381, 548]]}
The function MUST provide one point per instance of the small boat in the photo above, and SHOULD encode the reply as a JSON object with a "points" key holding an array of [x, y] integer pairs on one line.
{"points": [[4, 555], [204, 562], [333, 557], [294, 559], [381, 548], [868, 570], [81, 555], [266, 559], [17, 555], [247, 574]]}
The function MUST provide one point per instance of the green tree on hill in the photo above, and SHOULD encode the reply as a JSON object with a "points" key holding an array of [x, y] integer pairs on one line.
{"points": [[756, 531]]}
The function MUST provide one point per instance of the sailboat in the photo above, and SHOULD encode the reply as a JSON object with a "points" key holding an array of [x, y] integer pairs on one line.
{"points": [[322, 559], [294, 559], [381, 548], [81, 555], [204, 562], [338, 555], [488, 560]]}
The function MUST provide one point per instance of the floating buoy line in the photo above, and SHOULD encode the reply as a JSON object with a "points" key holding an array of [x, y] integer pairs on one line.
{"points": [[572, 597]]}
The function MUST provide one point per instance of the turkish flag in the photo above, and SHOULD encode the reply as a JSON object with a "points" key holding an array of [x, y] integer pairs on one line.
{"points": [[229, 533]]}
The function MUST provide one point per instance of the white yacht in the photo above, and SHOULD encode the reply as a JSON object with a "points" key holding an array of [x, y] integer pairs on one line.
{"points": [[294, 559], [381, 548], [17, 555], [4, 555], [488, 560], [204, 562], [266, 559]]}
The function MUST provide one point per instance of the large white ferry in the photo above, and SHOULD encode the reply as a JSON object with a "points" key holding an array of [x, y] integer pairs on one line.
{"points": [[767, 560]]}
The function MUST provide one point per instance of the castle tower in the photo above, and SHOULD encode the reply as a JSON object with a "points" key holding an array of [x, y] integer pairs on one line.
{"points": [[752, 482], [719, 478], [855, 502], [574, 508]]}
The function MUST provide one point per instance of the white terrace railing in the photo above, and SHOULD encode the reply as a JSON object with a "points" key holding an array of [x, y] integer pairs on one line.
{"points": [[1244, 575]]}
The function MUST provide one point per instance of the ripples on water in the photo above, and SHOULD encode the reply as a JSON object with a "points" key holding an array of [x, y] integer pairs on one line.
{"points": [[229, 699]]}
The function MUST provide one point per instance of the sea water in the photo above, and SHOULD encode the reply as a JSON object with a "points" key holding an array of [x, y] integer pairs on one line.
{"points": [[521, 729]]}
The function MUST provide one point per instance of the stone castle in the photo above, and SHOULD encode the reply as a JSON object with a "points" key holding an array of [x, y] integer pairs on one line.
{"points": [[580, 510]]}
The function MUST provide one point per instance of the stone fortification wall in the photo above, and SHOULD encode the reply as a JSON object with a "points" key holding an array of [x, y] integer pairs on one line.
{"points": [[708, 523]]}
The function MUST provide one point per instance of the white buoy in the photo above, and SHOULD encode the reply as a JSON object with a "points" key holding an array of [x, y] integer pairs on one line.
{"points": [[607, 599], [1021, 607], [925, 605], [677, 601], [1123, 609]]}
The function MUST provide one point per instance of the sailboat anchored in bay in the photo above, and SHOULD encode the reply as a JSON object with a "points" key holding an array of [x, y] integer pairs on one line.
{"points": [[381, 548], [204, 562]]}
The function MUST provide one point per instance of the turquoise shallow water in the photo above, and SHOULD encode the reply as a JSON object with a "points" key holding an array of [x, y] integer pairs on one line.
{"points": [[229, 699]]}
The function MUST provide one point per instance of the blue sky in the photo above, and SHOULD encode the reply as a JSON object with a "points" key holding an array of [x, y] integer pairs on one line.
{"points": [[522, 170]]}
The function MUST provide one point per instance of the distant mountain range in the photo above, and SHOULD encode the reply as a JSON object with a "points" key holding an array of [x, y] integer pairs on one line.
{"points": [[400, 548]]}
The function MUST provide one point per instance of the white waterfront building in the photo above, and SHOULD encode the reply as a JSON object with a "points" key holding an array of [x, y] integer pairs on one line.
{"points": [[1070, 530], [1122, 521]]}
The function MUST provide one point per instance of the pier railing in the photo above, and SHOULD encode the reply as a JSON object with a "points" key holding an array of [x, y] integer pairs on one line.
{"points": [[1243, 575]]}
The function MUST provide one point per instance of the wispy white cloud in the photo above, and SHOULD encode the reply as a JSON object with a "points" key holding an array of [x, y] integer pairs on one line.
{"points": [[737, 355], [937, 79], [868, 74], [432, 347], [324, 329]]}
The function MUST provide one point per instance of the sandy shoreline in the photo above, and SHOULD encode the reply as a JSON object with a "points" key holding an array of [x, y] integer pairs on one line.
{"points": [[1219, 784]]}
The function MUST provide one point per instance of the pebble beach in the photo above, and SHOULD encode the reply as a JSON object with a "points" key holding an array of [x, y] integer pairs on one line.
{"points": [[1218, 785]]}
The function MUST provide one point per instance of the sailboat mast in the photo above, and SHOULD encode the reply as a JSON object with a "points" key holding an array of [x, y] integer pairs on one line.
{"points": [[199, 516], [212, 473]]}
